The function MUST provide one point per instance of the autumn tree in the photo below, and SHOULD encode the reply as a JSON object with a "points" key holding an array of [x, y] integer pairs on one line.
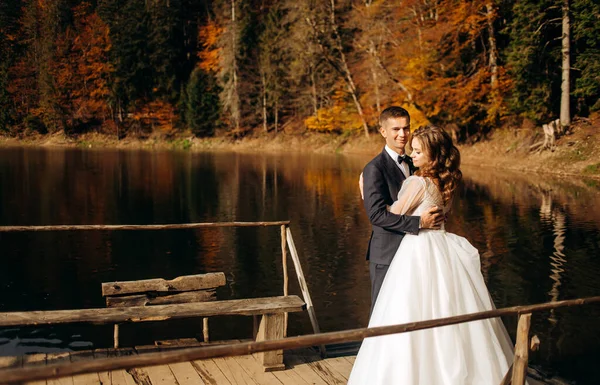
{"points": [[83, 71], [9, 50]]}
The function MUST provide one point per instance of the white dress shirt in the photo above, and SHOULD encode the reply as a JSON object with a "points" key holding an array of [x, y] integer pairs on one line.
{"points": [[403, 166]]}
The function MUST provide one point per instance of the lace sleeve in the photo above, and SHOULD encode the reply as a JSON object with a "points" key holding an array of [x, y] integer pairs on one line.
{"points": [[410, 195]]}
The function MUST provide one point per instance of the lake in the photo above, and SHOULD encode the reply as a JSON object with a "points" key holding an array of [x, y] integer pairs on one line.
{"points": [[538, 237]]}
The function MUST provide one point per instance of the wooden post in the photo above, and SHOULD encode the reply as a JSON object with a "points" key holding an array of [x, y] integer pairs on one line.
{"points": [[116, 336], [285, 274], [205, 329], [303, 287], [271, 328], [521, 350]]}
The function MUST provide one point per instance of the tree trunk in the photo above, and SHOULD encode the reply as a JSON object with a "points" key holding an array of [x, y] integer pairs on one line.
{"points": [[313, 85], [491, 16], [376, 85], [565, 108], [264, 101], [347, 74], [235, 111], [276, 115]]}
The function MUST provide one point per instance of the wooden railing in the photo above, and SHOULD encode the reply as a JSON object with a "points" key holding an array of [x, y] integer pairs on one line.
{"points": [[517, 377], [286, 239]]}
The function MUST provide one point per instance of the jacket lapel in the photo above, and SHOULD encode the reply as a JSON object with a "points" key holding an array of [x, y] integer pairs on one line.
{"points": [[395, 177]]}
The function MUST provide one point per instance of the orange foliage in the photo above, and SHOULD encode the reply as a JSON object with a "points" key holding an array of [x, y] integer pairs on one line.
{"points": [[341, 116], [83, 71], [157, 114], [208, 37]]}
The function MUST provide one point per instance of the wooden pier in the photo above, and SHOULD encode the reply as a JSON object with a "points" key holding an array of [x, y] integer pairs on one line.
{"points": [[303, 367]]}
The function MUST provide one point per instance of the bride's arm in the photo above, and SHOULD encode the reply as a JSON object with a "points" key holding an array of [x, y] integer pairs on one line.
{"points": [[410, 195]]}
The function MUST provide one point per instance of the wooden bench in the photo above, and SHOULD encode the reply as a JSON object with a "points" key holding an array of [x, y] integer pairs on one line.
{"points": [[195, 296], [151, 292]]}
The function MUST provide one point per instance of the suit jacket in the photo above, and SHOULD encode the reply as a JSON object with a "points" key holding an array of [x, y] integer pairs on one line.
{"points": [[382, 180]]}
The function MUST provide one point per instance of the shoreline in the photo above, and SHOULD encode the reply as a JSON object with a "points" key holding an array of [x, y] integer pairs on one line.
{"points": [[575, 155]]}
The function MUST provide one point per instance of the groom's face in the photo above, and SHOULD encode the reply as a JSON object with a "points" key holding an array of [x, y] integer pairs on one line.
{"points": [[396, 132]]}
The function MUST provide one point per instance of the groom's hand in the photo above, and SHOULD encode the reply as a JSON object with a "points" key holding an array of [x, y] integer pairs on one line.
{"points": [[432, 218], [360, 186]]}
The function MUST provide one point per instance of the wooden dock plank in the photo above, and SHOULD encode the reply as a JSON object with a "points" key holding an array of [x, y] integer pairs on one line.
{"points": [[114, 377], [233, 371], [210, 372], [7, 362], [290, 377], [303, 370], [159, 374], [184, 372], [35, 360], [324, 371], [59, 358], [84, 379], [340, 367], [256, 371]]}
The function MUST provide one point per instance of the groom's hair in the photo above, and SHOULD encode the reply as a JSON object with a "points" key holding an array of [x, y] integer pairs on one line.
{"points": [[393, 112]]}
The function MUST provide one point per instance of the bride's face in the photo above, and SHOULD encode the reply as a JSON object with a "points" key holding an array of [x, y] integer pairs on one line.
{"points": [[419, 157]]}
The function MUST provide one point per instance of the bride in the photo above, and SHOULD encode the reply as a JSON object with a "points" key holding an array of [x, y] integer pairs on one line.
{"points": [[433, 275]]}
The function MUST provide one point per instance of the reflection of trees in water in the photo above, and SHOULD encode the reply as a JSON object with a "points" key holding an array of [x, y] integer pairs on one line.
{"points": [[555, 218]]}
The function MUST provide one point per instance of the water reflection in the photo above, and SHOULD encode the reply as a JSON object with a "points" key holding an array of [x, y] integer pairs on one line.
{"points": [[538, 239]]}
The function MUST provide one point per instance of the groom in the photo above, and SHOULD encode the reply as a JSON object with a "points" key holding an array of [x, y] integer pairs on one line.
{"points": [[381, 180]]}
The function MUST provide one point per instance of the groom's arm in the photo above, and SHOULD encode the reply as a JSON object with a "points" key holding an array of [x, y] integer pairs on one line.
{"points": [[374, 186]]}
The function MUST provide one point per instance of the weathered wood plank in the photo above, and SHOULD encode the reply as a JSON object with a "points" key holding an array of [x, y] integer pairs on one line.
{"points": [[304, 370], [233, 371], [179, 284], [256, 371], [340, 365], [271, 328], [158, 374], [290, 377], [184, 372], [84, 379], [32, 360], [11, 362], [210, 372], [151, 300], [140, 227], [250, 306], [323, 370], [59, 358], [521, 357], [115, 377]]}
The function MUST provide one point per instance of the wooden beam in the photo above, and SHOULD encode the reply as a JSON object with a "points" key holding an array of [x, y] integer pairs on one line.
{"points": [[139, 227], [521, 358], [179, 284], [152, 300], [271, 328], [55, 371], [250, 306], [285, 273], [303, 286]]}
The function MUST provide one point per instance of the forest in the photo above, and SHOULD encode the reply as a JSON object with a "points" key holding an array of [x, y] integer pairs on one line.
{"points": [[240, 67]]}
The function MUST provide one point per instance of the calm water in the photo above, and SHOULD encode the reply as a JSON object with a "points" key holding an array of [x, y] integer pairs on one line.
{"points": [[539, 240]]}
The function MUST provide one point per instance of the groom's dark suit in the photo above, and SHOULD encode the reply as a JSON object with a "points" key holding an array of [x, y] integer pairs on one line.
{"points": [[382, 180]]}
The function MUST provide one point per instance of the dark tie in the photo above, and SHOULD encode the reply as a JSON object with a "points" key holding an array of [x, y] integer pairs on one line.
{"points": [[402, 158]]}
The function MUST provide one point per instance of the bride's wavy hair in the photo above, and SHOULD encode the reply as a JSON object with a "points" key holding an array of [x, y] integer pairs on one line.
{"points": [[445, 159]]}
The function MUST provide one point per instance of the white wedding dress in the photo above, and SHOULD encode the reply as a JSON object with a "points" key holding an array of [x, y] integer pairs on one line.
{"points": [[433, 275]]}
